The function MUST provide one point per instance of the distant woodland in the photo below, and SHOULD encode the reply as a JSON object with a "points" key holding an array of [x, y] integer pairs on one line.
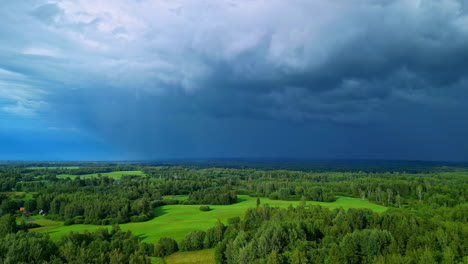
{"points": [[427, 219]]}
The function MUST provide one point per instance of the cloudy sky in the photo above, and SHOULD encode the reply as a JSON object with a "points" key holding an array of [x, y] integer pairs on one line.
{"points": [[176, 79]]}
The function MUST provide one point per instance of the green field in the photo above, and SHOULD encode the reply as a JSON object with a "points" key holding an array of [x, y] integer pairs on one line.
{"points": [[176, 221], [115, 175], [26, 197], [53, 168], [19, 196], [176, 197], [46, 224]]}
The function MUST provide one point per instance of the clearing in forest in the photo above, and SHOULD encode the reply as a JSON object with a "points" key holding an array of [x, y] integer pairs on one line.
{"points": [[114, 175], [176, 221]]}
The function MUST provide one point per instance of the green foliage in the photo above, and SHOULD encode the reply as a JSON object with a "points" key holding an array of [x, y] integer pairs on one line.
{"points": [[205, 208], [8, 225], [233, 220], [98, 247], [274, 258], [166, 246], [426, 222], [25, 247], [214, 235], [193, 241], [213, 196], [318, 235], [367, 242]]}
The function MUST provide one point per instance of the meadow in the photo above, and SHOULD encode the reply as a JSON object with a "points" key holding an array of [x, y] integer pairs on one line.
{"points": [[19, 196], [117, 175], [53, 168], [176, 221], [45, 224]]}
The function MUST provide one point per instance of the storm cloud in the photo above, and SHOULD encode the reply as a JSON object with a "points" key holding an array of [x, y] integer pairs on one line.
{"points": [[153, 79]]}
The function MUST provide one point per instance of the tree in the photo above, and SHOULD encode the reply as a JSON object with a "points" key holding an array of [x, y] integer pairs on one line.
{"points": [[449, 256], [378, 193], [389, 196], [258, 202], [284, 193], [274, 258], [299, 257], [8, 225], [334, 255], [22, 247], [168, 246], [427, 258], [362, 193], [214, 235], [139, 258], [419, 190], [303, 201], [350, 250], [270, 236], [117, 257], [398, 200], [193, 241]]}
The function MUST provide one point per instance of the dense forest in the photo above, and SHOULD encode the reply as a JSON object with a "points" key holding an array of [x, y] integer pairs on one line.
{"points": [[427, 221]]}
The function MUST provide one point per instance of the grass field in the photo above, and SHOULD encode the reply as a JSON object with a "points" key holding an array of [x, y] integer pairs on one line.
{"points": [[176, 197], [115, 175], [176, 221], [26, 197], [46, 224], [19, 196], [53, 168]]}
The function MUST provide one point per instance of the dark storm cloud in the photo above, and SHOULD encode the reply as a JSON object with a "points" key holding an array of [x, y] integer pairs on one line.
{"points": [[318, 79]]}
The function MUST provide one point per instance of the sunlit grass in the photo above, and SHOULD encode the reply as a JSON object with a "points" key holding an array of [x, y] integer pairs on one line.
{"points": [[17, 196], [45, 224], [176, 221]]}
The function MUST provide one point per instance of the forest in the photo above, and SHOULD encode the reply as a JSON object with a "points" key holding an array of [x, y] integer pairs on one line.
{"points": [[425, 218]]}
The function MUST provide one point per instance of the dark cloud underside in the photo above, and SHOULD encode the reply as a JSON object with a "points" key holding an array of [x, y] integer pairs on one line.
{"points": [[185, 79]]}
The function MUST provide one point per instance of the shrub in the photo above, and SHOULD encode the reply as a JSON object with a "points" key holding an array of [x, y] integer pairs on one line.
{"points": [[166, 246], [158, 251], [171, 201], [78, 220], [68, 222], [274, 196], [139, 218], [205, 208]]}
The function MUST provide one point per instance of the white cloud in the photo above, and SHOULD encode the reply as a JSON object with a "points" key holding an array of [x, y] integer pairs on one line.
{"points": [[65, 129], [24, 108], [9, 74], [38, 51], [19, 98]]}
